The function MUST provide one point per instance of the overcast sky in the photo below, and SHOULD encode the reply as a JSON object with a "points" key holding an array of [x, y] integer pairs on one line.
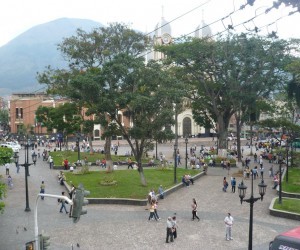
{"points": [[17, 16]]}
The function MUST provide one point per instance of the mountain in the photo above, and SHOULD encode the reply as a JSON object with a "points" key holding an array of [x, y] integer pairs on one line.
{"points": [[33, 50]]}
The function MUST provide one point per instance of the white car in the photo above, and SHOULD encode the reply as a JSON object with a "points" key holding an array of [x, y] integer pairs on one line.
{"points": [[14, 144], [15, 149]]}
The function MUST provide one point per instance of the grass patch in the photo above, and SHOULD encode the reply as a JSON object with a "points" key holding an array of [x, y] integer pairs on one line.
{"points": [[293, 186], [128, 182], [288, 205]]}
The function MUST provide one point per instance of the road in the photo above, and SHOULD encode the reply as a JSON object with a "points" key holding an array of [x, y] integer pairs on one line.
{"points": [[127, 227]]}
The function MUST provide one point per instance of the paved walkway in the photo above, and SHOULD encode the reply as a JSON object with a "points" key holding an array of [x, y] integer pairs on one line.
{"points": [[127, 227]]}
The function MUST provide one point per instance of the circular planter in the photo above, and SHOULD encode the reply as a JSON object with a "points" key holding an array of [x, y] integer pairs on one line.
{"points": [[104, 183]]}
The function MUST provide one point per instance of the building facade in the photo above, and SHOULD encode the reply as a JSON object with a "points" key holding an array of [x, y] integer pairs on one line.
{"points": [[22, 108]]}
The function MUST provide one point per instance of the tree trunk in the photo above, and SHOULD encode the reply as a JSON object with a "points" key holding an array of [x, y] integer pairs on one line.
{"points": [[107, 146], [222, 132], [142, 176], [238, 137]]}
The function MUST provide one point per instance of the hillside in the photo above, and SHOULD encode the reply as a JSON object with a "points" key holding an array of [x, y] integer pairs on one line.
{"points": [[33, 50]]}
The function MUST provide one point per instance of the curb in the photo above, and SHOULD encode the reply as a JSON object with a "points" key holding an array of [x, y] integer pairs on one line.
{"points": [[282, 214]]}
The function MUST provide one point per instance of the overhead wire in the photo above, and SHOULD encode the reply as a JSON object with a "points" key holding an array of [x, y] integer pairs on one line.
{"points": [[229, 27]]}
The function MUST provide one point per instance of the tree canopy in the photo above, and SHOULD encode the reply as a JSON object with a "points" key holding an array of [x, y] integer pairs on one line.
{"points": [[108, 76], [228, 75]]}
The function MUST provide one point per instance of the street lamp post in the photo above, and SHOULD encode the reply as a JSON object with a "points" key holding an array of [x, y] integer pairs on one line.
{"points": [[78, 147], [186, 152], [287, 161], [16, 158], [242, 192], [280, 178], [26, 165], [175, 162]]}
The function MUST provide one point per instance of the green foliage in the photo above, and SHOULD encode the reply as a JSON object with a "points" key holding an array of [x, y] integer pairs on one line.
{"points": [[107, 76], [3, 190], [228, 75], [289, 205], [64, 118], [293, 185], [6, 155], [4, 119]]}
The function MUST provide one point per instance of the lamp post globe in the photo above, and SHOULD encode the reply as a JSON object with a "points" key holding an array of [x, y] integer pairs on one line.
{"points": [[242, 191], [16, 158], [34, 157]]}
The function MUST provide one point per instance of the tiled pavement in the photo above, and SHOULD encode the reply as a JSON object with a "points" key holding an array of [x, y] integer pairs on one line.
{"points": [[127, 227]]}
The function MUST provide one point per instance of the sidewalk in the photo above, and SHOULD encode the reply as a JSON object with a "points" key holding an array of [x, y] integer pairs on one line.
{"points": [[127, 227]]}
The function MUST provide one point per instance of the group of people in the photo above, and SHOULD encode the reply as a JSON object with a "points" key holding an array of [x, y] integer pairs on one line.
{"points": [[187, 179], [171, 228]]}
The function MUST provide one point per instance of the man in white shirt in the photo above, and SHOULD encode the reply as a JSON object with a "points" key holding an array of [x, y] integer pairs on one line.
{"points": [[228, 225]]}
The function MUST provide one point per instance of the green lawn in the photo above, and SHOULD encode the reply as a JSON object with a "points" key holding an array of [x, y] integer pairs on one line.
{"points": [[289, 205], [128, 182], [293, 185]]}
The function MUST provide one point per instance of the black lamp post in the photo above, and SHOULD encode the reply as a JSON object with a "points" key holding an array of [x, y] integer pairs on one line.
{"points": [[78, 147], [186, 152], [26, 165], [280, 177], [242, 192], [175, 162], [16, 159], [287, 161]]}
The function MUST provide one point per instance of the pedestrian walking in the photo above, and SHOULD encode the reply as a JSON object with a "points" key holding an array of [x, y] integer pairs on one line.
{"points": [[7, 166], [42, 189], [233, 184], [261, 169], [174, 227], [169, 230], [225, 184], [271, 173], [194, 209], [152, 215], [228, 226], [155, 210], [63, 204], [50, 160], [10, 182]]}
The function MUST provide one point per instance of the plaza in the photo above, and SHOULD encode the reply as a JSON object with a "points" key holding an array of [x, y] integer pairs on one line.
{"points": [[127, 227]]}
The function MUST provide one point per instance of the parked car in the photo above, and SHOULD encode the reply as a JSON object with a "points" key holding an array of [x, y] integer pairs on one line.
{"points": [[15, 149], [14, 144], [287, 240]]}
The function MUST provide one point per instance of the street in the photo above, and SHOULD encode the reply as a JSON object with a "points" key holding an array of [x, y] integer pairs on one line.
{"points": [[127, 227]]}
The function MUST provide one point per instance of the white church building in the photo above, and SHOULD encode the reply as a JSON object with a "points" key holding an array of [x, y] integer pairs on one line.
{"points": [[162, 35]]}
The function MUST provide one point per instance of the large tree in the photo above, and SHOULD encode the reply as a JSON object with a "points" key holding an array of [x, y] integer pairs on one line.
{"points": [[65, 119], [227, 75], [108, 75]]}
